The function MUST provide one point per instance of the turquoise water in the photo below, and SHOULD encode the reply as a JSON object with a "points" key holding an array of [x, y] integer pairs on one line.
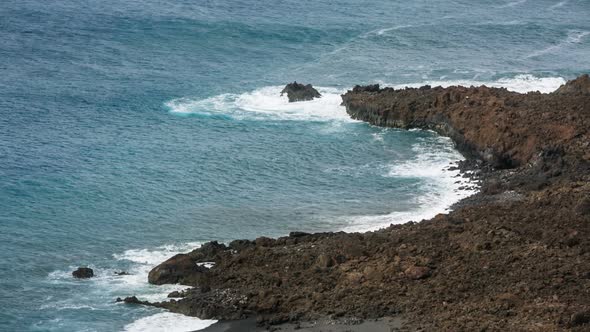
{"points": [[132, 130]]}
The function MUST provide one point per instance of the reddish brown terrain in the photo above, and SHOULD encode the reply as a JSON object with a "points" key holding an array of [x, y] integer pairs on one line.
{"points": [[515, 257]]}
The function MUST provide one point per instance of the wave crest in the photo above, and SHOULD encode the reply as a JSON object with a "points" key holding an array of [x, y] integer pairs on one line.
{"points": [[265, 104]]}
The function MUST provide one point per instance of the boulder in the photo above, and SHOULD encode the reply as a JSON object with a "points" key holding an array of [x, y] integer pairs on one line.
{"points": [[178, 269], [300, 92], [83, 273]]}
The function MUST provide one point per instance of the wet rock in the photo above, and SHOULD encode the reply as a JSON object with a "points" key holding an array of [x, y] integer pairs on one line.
{"points": [[178, 269], [177, 294], [132, 300], [300, 92], [83, 273], [121, 273]]}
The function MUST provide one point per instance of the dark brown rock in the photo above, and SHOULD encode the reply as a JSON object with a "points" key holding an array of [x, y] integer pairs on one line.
{"points": [[181, 268], [83, 273], [580, 85], [300, 92]]}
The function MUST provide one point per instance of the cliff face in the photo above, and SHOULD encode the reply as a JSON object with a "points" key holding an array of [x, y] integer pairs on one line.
{"points": [[503, 128], [515, 257]]}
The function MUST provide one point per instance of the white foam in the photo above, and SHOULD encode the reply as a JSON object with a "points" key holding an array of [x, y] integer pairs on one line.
{"points": [[157, 255], [168, 322], [573, 37], [266, 104], [520, 83], [441, 185], [99, 292], [206, 265]]}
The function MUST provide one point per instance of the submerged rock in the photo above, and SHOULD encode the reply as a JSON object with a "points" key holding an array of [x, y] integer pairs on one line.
{"points": [[300, 92], [83, 273]]}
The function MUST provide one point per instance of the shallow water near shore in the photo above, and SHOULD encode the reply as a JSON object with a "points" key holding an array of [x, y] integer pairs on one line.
{"points": [[133, 131]]}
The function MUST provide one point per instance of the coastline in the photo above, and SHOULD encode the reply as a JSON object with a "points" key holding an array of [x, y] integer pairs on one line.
{"points": [[510, 257]]}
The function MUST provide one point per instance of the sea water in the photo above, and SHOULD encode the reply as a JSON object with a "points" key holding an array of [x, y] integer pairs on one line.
{"points": [[133, 130]]}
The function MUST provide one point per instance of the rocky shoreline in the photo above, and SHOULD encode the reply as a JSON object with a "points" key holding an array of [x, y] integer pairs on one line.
{"points": [[514, 257]]}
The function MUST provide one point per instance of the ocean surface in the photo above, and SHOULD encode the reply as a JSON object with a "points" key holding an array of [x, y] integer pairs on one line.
{"points": [[132, 130]]}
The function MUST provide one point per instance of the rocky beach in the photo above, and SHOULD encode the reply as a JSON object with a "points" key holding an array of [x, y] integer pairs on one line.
{"points": [[514, 257]]}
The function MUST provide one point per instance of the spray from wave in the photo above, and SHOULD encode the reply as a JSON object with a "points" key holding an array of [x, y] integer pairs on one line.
{"points": [[441, 186], [265, 104], [98, 293], [521, 83]]}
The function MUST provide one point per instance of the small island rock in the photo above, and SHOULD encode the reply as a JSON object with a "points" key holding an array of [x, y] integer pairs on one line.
{"points": [[300, 92], [83, 273]]}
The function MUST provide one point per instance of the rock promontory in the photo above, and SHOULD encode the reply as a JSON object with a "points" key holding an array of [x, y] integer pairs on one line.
{"points": [[514, 257]]}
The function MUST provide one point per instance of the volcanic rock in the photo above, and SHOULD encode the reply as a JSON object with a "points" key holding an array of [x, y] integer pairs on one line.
{"points": [[580, 85], [83, 273], [514, 257], [300, 92], [181, 268]]}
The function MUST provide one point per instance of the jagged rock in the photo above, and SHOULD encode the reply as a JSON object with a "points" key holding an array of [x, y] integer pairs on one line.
{"points": [[366, 88], [208, 252], [83, 273], [299, 92], [580, 85], [133, 300]]}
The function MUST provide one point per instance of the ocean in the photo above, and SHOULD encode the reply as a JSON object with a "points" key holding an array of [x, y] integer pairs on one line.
{"points": [[133, 130]]}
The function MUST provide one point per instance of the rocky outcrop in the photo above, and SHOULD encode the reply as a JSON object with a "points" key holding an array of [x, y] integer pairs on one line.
{"points": [[580, 85], [83, 273], [300, 92], [515, 257], [505, 129]]}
